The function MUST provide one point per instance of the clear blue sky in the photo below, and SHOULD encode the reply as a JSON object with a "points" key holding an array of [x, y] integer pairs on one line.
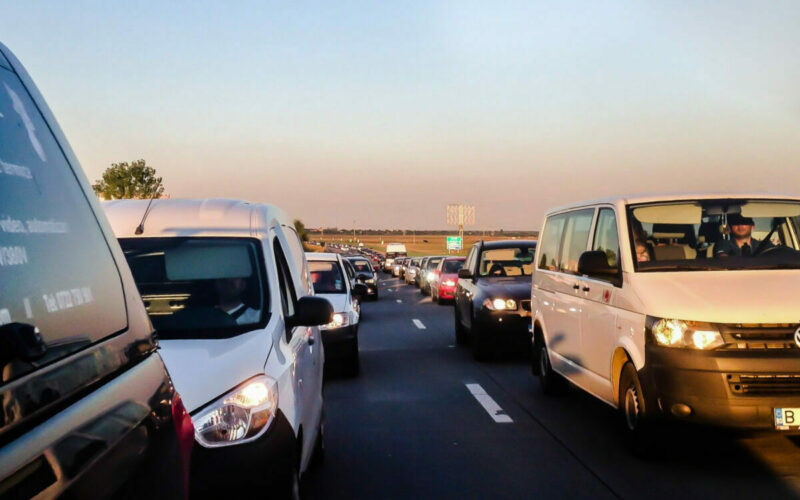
{"points": [[384, 112]]}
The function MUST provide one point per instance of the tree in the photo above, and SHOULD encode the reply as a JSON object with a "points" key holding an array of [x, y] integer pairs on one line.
{"points": [[129, 180], [301, 230]]}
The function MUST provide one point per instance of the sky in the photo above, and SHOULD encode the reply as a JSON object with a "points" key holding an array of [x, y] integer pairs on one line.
{"points": [[379, 114]]}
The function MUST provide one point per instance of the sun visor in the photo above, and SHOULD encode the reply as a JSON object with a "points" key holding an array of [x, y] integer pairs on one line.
{"points": [[766, 209], [682, 213], [204, 260]]}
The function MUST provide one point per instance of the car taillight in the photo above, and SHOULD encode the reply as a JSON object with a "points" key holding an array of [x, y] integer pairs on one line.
{"points": [[184, 430]]}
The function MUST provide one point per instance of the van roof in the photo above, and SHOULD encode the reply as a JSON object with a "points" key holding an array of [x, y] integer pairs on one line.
{"points": [[322, 256], [656, 197], [192, 217]]}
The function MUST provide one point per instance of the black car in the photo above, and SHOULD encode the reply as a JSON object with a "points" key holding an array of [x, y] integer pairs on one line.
{"points": [[493, 296], [366, 275], [88, 408]]}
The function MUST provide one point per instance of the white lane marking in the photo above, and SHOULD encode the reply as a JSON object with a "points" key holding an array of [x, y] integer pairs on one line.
{"points": [[418, 324], [399, 301], [489, 404], [388, 289]]}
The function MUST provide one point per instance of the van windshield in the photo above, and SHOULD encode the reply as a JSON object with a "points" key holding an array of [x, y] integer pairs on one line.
{"points": [[199, 287], [713, 235]]}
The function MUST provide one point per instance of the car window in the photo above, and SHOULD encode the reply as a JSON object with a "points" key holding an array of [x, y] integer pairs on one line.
{"points": [[605, 236], [452, 266], [502, 262], [199, 287], [432, 263], [576, 238], [56, 269], [361, 266], [299, 256], [327, 277], [288, 297], [550, 244]]}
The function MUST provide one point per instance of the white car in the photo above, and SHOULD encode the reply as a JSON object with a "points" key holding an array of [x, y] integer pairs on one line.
{"points": [[227, 287], [340, 336], [674, 307]]}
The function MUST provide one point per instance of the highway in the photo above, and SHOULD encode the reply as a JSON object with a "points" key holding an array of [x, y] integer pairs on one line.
{"points": [[424, 420]]}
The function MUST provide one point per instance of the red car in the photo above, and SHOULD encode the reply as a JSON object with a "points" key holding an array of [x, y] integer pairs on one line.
{"points": [[445, 278]]}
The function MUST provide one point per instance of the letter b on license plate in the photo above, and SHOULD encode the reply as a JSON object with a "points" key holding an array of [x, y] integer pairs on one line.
{"points": [[787, 418]]}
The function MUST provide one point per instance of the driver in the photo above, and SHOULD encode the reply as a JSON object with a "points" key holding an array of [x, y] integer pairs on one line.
{"points": [[741, 243], [229, 292]]}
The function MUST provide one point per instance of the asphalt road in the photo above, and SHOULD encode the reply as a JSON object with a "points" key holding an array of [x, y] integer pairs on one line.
{"points": [[410, 427]]}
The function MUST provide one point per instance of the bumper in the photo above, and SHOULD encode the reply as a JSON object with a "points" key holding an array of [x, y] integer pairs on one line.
{"points": [[446, 292], [268, 461], [338, 343], [507, 325], [725, 389]]}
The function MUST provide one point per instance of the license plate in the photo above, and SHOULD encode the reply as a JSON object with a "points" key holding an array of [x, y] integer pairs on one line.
{"points": [[787, 418]]}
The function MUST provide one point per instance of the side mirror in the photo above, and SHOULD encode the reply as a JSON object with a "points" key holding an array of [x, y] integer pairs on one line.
{"points": [[465, 274], [312, 311], [595, 263], [359, 289]]}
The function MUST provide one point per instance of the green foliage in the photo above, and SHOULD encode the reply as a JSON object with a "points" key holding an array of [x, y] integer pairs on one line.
{"points": [[301, 230], [125, 180]]}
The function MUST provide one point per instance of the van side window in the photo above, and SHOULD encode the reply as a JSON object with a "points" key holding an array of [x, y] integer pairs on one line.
{"points": [[605, 236], [551, 242], [288, 297], [576, 238]]}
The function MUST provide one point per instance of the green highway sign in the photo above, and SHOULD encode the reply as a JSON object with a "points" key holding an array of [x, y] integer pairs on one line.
{"points": [[454, 243]]}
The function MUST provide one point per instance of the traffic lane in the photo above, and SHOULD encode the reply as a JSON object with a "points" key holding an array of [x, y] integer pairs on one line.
{"points": [[409, 426], [690, 463]]}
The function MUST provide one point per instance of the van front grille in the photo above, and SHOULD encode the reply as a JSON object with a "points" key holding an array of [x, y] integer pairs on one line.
{"points": [[760, 337], [764, 385]]}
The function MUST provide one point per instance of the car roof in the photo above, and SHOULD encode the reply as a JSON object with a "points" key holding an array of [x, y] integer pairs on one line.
{"points": [[322, 256], [192, 217], [508, 243], [656, 197]]}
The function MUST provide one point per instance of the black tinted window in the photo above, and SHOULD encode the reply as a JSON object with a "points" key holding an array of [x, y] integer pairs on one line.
{"points": [[56, 269], [327, 277], [452, 266]]}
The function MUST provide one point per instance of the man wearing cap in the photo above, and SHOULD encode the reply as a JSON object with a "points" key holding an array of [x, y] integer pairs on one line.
{"points": [[741, 242]]}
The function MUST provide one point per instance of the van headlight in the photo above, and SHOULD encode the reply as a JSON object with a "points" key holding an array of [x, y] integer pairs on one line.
{"points": [[500, 304], [340, 319], [240, 416], [687, 334]]}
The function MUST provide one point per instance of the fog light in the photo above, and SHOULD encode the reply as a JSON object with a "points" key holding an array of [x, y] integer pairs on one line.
{"points": [[681, 410]]}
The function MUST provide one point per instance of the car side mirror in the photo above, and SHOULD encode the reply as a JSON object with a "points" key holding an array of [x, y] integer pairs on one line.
{"points": [[595, 263], [312, 311], [359, 289], [465, 274]]}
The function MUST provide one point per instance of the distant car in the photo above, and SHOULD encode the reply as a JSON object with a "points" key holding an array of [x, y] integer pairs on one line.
{"points": [[397, 267], [388, 261], [428, 274], [340, 336], [444, 287], [88, 408], [412, 269], [366, 275], [493, 296]]}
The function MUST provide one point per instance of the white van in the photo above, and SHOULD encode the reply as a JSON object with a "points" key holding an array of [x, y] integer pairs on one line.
{"points": [[227, 286], [680, 307]]}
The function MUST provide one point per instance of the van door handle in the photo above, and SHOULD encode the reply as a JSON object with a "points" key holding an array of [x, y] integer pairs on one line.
{"points": [[311, 340], [586, 289], [576, 286]]}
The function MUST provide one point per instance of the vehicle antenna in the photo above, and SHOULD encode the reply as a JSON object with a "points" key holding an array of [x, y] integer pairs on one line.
{"points": [[140, 227]]}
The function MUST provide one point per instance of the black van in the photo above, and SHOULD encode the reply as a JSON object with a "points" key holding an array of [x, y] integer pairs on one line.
{"points": [[87, 408]]}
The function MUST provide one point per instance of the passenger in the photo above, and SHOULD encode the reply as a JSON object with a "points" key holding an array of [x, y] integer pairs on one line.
{"points": [[642, 252], [741, 243], [229, 292]]}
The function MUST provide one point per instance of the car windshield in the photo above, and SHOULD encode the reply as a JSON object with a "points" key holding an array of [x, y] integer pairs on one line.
{"points": [[361, 266], [433, 262], [327, 277], [452, 266], [713, 235], [199, 287], [500, 262]]}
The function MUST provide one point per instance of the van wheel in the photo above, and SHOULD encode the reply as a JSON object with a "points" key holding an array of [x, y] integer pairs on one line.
{"points": [[552, 383], [638, 428], [461, 332]]}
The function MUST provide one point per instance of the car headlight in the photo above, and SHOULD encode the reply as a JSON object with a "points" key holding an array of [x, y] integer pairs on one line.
{"points": [[687, 334], [500, 304], [240, 416], [371, 281], [340, 319], [449, 283]]}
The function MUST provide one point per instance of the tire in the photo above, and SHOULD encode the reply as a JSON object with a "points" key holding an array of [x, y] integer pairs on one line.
{"points": [[552, 383], [434, 297], [481, 349], [640, 435], [461, 333]]}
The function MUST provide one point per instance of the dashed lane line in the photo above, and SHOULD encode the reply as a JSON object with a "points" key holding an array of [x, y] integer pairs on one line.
{"points": [[490, 405], [418, 324]]}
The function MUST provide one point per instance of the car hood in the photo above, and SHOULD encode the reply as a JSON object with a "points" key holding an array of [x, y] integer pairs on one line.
{"points": [[759, 296], [204, 369], [514, 288], [337, 300]]}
